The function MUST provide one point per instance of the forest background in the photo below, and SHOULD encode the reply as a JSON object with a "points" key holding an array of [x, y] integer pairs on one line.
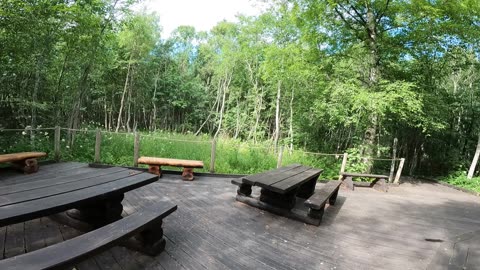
{"points": [[327, 76]]}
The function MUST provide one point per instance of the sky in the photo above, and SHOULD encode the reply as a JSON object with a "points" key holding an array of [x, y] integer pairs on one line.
{"points": [[201, 14]]}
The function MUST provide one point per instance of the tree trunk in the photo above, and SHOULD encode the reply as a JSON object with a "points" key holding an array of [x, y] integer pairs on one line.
{"points": [[277, 116], [225, 85], [290, 135], [122, 101], [471, 171]]}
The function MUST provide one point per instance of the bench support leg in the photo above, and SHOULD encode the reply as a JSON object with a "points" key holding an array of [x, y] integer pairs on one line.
{"points": [[155, 169], [28, 166], [381, 185], [348, 182], [316, 214], [244, 189], [187, 174], [150, 241], [333, 198]]}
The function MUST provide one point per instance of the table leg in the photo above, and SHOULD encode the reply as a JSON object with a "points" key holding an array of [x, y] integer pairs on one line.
{"points": [[99, 213], [286, 201], [307, 189], [244, 189]]}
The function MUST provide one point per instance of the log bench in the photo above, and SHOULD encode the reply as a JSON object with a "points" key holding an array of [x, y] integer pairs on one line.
{"points": [[379, 183], [154, 165], [289, 191], [24, 161], [144, 225]]}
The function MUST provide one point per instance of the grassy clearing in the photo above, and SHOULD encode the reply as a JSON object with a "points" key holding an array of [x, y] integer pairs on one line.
{"points": [[232, 156]]}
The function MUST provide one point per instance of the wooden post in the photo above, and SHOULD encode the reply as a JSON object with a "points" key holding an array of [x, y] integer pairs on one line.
{"points": [[280, 157], [344, 165], [394, 157], [212, 155], [56, 144], [136, 149], [98, 142], [399, 171]]}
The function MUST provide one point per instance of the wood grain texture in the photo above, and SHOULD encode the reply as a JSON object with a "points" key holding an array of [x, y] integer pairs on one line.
{"points": [[74, 250], [171, 162], [21, 156]]}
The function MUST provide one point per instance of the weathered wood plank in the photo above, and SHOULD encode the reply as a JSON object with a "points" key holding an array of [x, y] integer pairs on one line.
{"points": [[14, 241], [269, 178], [292, 182], [50, 182], [81, 247], [61, 202]]}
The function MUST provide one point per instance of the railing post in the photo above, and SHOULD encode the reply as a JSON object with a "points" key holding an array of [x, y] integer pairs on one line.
{"points": [[394, 156], [344, 165], [56, 144], [136, 149], [280, 157], [98, 143], [212, 155], [399, 171]]}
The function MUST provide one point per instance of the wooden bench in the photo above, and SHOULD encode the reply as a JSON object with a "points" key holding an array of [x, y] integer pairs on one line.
{"points": [[154, 165], [145, 224], [25, 161], [379, 183], [316, 203]]}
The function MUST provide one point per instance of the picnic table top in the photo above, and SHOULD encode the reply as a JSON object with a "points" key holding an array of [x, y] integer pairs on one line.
{"points": [[284, 179], [24, 197]]}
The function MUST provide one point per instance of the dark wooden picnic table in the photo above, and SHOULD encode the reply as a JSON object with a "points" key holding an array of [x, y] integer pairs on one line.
{"points": [[96, 194], [280, 187]]}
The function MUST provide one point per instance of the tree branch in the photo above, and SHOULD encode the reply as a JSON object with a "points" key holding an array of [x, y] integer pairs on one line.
{"points": [[382, 13]]}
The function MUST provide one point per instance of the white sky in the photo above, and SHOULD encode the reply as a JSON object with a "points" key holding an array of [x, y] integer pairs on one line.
{"points": [[201, 14]]}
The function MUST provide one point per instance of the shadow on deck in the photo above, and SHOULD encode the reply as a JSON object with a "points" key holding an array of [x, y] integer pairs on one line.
{"points": [[406, 228]]}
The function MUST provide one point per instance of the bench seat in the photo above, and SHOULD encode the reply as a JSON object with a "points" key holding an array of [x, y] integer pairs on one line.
{"points": [[154, 165], [145, 222], [25, 161], [316, 203]]}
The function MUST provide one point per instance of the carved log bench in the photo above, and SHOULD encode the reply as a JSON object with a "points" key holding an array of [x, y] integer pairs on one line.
{"points": [[24, 161], [144, 225], [316, 203], [379, 183], [154, 165]]}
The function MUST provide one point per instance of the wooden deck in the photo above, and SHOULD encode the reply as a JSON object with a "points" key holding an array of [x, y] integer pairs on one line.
{"points": [[414, 226]]}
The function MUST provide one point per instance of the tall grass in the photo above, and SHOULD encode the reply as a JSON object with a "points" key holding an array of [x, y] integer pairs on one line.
{"points": [[232, 156]]}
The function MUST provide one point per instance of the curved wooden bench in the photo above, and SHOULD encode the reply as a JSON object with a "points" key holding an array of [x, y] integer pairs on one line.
{"points": [[154, 165], [144, 224], [25, 161]]}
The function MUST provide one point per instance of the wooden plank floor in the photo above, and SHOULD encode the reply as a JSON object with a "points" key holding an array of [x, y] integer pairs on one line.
{"points": [[414, 226]]}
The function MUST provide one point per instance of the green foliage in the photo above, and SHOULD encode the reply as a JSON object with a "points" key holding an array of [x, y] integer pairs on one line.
{"points": [[351, 75], [460, 179]]}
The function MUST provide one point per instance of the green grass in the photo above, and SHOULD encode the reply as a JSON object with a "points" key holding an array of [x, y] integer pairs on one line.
{"points": [[232, 156], [460, 179]]}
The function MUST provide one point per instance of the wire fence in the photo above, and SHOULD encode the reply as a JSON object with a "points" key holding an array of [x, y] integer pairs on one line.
{"points": [[220, 155]]}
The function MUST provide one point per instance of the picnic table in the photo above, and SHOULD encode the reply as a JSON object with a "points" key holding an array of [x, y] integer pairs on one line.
{"points": [[95, 196], [282, 189]]}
